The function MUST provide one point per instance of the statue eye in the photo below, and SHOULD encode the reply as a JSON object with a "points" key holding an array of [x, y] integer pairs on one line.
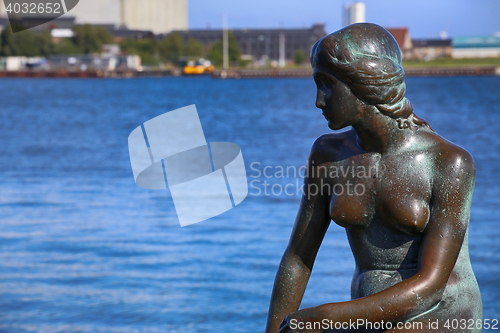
{"points": [[323, 82], [327, 80], [327, 84]]}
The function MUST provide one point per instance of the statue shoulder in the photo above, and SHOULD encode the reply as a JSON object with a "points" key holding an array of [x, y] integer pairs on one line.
{"points": [[451, 159], [329, 147]]}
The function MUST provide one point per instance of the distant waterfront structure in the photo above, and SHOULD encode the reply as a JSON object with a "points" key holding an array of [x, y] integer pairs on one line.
{"points": [[428, 49], [476, 47], [157, 16], [263, 44], [354, 13]]}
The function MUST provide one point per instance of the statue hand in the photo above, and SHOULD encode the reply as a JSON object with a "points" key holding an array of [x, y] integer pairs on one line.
{"points": [[285, 325], [301, 321]]}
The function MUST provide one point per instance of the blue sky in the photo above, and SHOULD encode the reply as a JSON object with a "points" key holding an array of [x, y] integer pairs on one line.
{"points": [[424, 18]]}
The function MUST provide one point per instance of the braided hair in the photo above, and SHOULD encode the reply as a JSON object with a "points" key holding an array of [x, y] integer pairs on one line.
{"points": [[367, 58]]}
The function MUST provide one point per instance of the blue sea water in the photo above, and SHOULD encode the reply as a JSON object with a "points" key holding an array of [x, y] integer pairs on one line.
{"points": [[83, 249]]}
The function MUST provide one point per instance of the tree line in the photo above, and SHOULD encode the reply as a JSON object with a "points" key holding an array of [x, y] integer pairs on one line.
{"points": [[89, 39]]}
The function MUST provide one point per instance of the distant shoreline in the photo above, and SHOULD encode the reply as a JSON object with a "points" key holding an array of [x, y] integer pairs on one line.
{"points": [[410, 71]]}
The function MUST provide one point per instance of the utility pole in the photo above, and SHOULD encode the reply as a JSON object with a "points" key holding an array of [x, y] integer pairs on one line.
{"points": [[225, 44], [122, 13], [281, 62], [268, 46], [282, 56]]}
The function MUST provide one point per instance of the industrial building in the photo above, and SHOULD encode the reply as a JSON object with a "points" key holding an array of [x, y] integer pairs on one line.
{"points": [[263, 43]]}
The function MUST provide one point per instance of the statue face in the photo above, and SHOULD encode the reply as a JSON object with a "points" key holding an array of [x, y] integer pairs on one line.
{"points": [[340, 106]]}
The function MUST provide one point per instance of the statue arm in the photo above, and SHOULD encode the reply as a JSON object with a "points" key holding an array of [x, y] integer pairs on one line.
{"points": [[310, 226], [441, 245]]}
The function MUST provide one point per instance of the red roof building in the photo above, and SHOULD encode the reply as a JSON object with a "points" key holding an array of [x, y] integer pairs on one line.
{"points": [[402, 36]]}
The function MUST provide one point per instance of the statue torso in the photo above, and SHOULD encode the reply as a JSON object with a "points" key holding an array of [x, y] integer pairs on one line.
{"points": [[385, 203]]}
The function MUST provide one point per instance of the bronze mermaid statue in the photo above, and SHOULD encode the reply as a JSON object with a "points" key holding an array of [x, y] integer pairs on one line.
{"points": [[406, 216]]}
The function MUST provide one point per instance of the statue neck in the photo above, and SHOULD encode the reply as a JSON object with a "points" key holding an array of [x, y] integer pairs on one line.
{"points": [[379, 133]]}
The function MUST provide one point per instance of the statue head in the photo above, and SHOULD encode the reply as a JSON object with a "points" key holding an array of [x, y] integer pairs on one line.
{"points": [[367, 58]]}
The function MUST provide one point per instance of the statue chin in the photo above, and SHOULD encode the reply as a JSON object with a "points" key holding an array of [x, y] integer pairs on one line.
{"points": [[335, 127]]}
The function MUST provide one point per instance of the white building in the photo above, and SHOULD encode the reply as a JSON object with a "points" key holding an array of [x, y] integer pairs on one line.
{"points": [[354, 13], [476, 47], [158, 16]]}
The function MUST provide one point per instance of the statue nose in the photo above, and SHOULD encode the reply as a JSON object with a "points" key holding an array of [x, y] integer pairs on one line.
{"points": [[320, 100]]}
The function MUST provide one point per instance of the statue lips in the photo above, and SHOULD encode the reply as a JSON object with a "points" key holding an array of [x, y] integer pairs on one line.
{"points": [[27, 14], [327, 117]]}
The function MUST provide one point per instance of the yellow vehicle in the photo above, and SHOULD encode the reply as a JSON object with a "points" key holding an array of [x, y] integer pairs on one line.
{"points": [[201, 66]]}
